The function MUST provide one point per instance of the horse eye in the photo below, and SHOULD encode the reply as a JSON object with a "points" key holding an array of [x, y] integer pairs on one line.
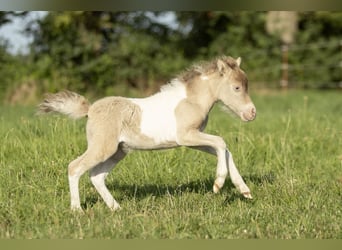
{"points": [[237, 88]]}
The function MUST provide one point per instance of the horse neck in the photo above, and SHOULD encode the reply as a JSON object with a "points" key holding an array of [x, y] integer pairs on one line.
{"points": [[201, 92]]}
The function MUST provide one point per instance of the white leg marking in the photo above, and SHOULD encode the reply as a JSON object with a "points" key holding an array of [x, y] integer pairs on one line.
{"points": [[213, 145], [221, 171], [74, 193], [76, 169], [73, 185], [225, 158], [236, 177], [98, 176]]}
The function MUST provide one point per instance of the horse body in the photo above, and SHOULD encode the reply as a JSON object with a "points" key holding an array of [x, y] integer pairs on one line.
{"points": [[158, 119], [175, 116]]}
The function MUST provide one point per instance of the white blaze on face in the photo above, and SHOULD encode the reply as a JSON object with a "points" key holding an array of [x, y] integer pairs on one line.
{"points": [[158, 120]]}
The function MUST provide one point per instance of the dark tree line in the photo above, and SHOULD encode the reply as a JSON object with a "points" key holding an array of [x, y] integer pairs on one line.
{"points": [[132, 52]]}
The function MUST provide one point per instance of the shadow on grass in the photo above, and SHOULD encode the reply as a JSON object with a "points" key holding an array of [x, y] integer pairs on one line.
{"points": [[259, 180], [198, 186], [160, 190]]}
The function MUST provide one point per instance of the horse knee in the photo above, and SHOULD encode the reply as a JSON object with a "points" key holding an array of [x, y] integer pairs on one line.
{"points": [[221, 144], [72, 167]]}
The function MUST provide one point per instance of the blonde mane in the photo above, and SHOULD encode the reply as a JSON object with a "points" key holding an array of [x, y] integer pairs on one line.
{"points": [[205, 68]]}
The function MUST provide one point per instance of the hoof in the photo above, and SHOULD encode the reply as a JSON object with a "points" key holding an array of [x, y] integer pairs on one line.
{"points": [[116, 207], [216, 188], [247, 195], [77, 210]]}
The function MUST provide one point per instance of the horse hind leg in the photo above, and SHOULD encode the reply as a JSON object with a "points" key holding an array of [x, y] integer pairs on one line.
{"points": [[73, 184], [97, 154], [98, 175]]}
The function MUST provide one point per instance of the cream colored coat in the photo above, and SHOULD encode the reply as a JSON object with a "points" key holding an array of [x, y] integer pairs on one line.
{"points": [[175, 116]]}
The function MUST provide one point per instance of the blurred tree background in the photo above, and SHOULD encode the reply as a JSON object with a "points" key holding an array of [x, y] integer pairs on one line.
{"points": [[133, 53]]}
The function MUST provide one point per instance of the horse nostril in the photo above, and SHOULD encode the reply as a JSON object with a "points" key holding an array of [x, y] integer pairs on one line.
{"points": [[253, 112]]}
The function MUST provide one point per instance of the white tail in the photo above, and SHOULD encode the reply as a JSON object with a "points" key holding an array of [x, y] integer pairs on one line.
{"points": [[65, 102]]}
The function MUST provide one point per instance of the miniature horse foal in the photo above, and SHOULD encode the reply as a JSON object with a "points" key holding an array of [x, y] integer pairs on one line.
{"points": [[175, 116]]}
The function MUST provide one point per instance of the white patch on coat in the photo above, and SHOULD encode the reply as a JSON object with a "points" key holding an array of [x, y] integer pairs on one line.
{"points": [[158, 120]]}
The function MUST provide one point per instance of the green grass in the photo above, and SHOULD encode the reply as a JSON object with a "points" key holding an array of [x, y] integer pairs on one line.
{"points": [[290, 157]]}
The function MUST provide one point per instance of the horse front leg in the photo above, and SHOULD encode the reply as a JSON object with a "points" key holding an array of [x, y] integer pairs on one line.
{"points": [[213, 145], [236, 177], [221, 172]]}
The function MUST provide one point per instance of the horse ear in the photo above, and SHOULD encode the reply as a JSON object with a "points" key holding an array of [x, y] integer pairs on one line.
{"points": [[238, 61], [221, 66]]}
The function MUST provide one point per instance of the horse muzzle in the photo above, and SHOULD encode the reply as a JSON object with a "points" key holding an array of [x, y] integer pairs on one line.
{"points": [[248, 114]]}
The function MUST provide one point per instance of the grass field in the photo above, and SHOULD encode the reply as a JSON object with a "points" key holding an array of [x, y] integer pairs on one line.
{"points": [[290, 157]]}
